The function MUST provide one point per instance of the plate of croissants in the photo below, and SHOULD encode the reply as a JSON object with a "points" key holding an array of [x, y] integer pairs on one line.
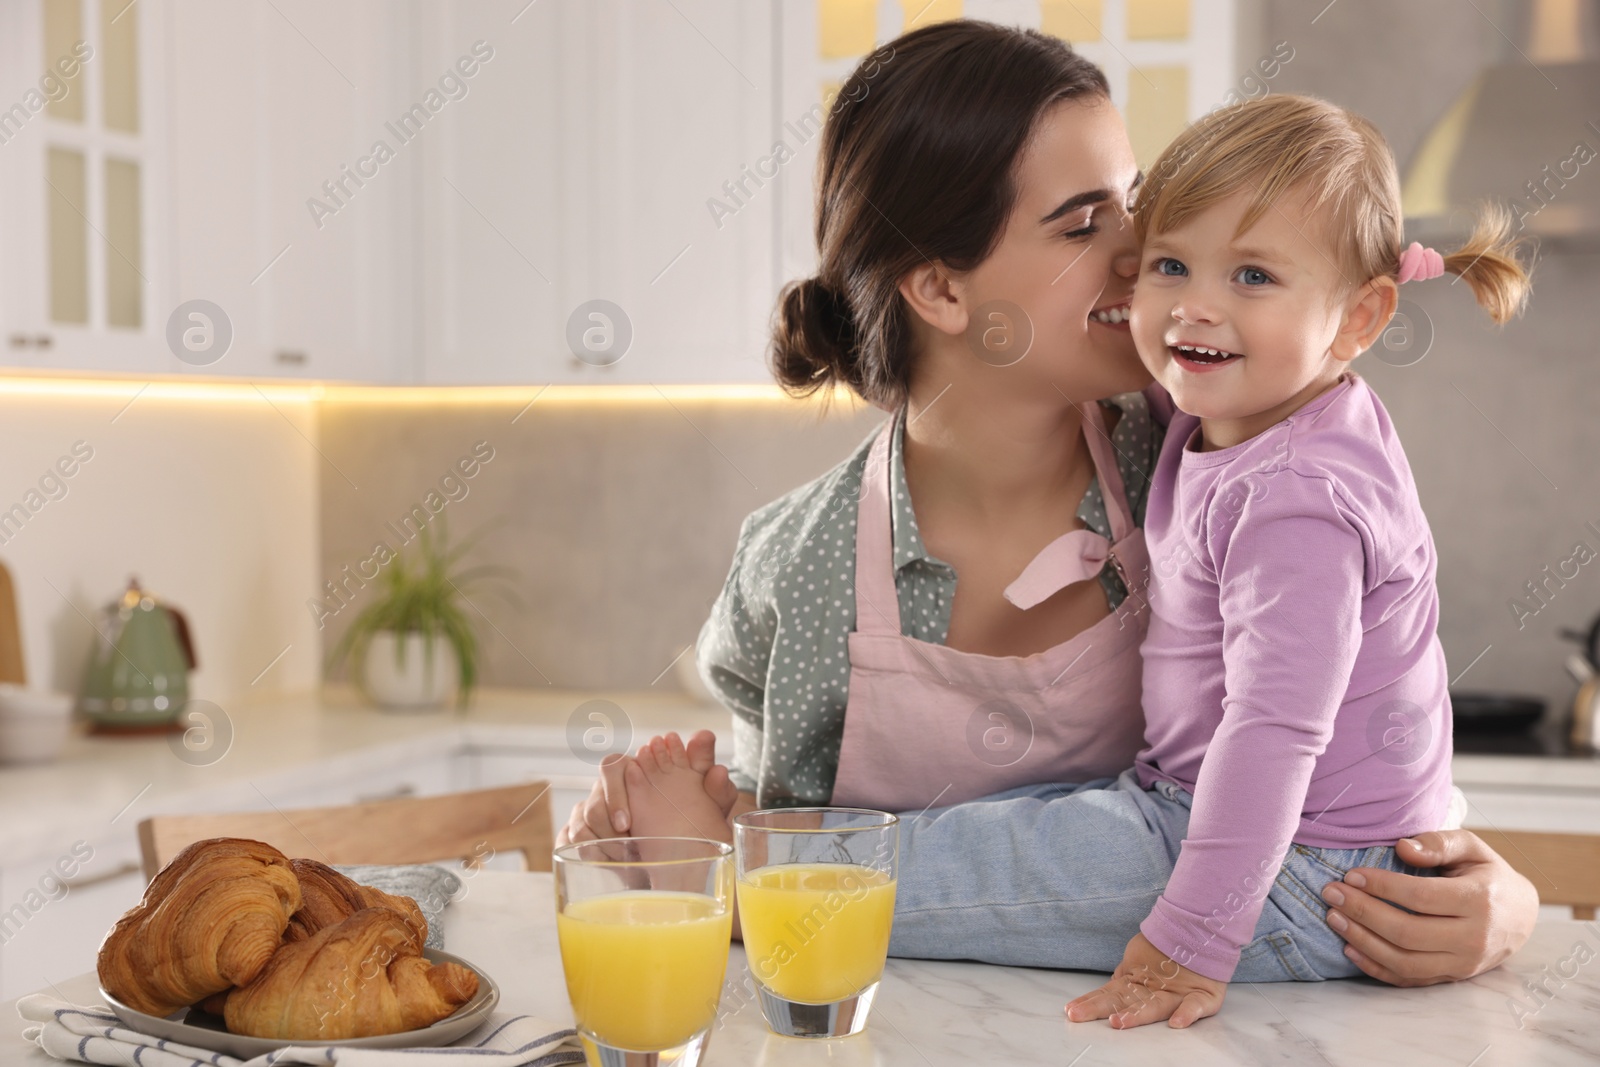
{"points": [[237, 948]]}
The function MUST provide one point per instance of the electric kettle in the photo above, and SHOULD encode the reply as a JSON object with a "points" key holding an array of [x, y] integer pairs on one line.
{"points": [[138, 673]]}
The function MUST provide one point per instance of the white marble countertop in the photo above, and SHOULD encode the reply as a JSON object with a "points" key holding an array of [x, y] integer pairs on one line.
{"points": [[104, 785], [936, 1013], [104, 780]]}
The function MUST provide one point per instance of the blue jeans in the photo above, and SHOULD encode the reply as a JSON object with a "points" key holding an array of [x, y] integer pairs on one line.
{"points": [[1062, 876]]}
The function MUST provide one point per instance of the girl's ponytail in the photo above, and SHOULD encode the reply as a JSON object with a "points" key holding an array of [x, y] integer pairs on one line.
{"points": [[1488, 263]]}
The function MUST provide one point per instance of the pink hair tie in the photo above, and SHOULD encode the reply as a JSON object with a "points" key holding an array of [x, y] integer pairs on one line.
{"points": [[1418, 264]]}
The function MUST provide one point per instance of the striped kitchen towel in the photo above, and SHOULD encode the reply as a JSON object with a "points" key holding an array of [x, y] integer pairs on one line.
{"points": [[94, 1035]]}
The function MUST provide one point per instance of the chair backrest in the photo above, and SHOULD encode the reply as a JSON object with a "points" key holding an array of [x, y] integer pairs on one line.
{"points": [[466, 826], [1564, 868]]}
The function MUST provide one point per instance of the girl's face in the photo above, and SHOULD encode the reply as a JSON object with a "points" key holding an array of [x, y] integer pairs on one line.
{"points": [[1067, 252], [1241, 330]]}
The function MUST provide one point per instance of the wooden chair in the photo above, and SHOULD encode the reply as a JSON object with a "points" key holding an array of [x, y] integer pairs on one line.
{"points": [[1564, 868], [464, 826]]}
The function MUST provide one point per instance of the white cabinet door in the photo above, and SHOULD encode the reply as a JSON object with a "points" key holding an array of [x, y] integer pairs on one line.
{"points": [[336, 82], [181, 163], [275, 108], [569, 778], [308, 787], [1565, 811], [581, 169], [217, 186], [83, 269], [52, 924]]}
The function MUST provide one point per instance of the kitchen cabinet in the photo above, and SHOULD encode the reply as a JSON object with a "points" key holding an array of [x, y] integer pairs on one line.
{"points": [[49, 919], [1554, 794], [272, 105], [176, 166], [83, 221], [568, 235], [422, 192], [465, 191]]}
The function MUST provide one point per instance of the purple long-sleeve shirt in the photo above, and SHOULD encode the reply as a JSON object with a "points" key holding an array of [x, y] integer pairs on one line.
{"points": [[1293, 678]]}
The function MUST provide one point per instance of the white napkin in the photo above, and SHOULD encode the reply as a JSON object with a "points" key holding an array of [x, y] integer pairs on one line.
{"points": [[95, 1035]]}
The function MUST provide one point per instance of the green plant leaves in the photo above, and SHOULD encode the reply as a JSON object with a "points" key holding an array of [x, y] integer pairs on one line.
{"points": [[422, 592]]}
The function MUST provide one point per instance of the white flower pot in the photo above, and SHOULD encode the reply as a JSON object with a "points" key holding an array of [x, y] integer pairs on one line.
{"points": [[426, 678]]}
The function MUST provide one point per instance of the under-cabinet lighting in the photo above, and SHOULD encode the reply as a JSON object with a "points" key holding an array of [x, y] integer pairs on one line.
{"points": [[213, 390]]}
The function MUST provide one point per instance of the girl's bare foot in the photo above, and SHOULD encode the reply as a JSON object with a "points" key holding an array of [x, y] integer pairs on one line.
{"points": [[703, 758], [667, 791]]}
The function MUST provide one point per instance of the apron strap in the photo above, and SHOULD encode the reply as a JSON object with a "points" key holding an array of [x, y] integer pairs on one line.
{"points": [[1078, 555], [1112, 491], [1072, 557], [877, 599]]}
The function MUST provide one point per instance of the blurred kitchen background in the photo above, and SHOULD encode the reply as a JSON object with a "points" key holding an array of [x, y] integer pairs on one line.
{"points": [[398, 215], [290, 286]]}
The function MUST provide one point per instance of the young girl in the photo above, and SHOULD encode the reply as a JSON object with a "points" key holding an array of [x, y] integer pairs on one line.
{"points": [[1295, 692], [1293, 684]]}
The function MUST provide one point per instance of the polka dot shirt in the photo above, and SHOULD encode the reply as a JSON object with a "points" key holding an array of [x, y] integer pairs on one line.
{"points": [[775, 649]]}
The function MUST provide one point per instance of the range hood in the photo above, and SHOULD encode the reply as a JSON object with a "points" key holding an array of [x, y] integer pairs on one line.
{"points": [[1525, 133]]}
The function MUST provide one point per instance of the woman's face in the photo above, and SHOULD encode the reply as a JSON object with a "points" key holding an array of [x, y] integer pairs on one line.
{"points": [[1065, 263]]}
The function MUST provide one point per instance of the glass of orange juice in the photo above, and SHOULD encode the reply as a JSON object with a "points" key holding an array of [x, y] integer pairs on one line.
{"points": [[816, 903], [644, 925]]}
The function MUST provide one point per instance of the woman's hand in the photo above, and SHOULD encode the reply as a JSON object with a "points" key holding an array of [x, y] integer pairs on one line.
{"points": [[1148, 987], [604, 812], [1478, 912]]}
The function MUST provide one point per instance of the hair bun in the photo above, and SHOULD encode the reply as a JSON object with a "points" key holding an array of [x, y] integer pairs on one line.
{"points": [[813, 338]]}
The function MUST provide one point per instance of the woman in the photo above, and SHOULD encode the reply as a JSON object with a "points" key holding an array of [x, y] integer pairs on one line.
{"points": [[976, 255]]}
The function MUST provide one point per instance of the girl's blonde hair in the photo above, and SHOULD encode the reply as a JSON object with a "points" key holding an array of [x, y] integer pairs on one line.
{"points": [[1282, 144]]}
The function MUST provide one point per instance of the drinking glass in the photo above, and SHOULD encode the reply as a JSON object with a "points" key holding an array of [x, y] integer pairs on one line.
{"points": [[644, 925], [816, 903]]}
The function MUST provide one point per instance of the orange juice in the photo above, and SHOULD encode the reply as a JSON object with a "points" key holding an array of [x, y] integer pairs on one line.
{"points": [[816, 933], [644, 969]]}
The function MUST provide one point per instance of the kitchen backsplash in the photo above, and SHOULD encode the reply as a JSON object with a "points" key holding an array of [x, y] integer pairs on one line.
{"points": [[619, 517], [208, 498]]}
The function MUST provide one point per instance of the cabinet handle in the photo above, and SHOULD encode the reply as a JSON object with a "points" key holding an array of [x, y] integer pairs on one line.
{"points": [[406, 790], [288, 355], [124, 868]]}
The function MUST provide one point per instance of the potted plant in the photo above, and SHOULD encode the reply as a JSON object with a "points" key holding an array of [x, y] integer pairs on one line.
{"points": [[415, 644]]}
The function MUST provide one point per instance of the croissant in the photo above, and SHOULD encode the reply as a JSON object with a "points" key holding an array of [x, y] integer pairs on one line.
{"points": [[210, 919], [328, 897], [361, 977]]}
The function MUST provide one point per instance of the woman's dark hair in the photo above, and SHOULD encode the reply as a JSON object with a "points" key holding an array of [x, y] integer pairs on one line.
{"points": [[917, 164]]}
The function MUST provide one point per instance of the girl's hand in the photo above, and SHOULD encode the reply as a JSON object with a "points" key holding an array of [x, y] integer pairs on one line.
{"points": [[1478, 912], [1148, 987]]}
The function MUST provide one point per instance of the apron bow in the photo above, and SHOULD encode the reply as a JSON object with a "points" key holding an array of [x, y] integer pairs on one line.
{"points": [[1072, 557]]}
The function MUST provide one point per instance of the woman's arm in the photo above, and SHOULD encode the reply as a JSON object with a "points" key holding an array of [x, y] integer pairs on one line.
{"points": [[1467, 921]]}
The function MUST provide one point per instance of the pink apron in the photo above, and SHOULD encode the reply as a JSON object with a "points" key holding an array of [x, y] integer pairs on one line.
{"points": [[927, 725]]}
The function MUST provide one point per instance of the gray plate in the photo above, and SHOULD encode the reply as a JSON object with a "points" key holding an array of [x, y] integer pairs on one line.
{"points": [[205, 1031]]}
